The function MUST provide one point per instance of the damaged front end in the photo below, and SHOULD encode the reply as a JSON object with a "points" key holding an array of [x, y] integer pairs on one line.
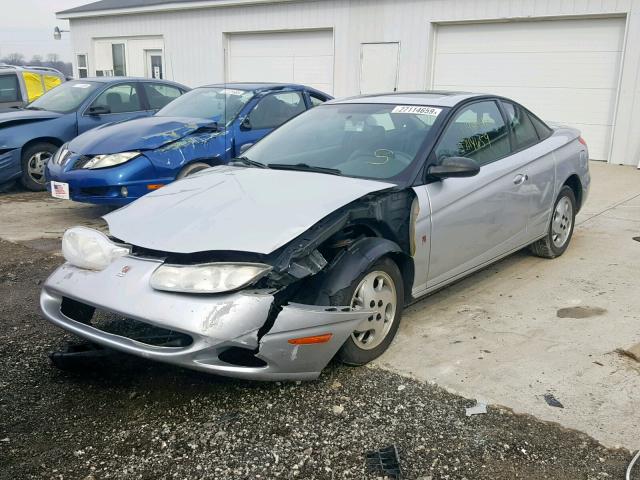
{"points": [[215, 333], [281, 326]]}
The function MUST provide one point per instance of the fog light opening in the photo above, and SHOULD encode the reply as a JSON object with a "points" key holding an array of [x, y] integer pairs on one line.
{"points": [[124, 192]]}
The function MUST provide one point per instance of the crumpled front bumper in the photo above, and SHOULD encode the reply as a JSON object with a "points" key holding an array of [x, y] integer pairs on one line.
{"points": [[215, 323]]}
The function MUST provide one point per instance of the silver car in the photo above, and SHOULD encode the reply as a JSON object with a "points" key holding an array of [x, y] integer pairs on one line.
{"points": [[311, 244]]}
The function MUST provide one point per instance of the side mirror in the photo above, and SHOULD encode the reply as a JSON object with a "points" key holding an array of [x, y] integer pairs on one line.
{"points": [[99, 110], [454, 167], [245, 147], [246, 124]]}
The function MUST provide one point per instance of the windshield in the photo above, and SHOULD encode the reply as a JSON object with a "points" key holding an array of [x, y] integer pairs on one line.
{"points": [[64, 98], [360, 140], [221, 105]]}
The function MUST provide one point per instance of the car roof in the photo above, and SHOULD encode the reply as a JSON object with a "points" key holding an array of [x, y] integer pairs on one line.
{"points": [[257, 85], [4, 68], [127, 79], [436, 98]]}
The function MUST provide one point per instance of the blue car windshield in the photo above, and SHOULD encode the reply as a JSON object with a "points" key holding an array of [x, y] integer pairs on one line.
{"points": [[64, 98], [376, 141], [219, 104]]}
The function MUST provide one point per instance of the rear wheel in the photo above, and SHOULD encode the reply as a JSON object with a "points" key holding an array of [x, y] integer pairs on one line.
{"points": [[191, 169], [380, 290], [34, 160], [557, 239]]}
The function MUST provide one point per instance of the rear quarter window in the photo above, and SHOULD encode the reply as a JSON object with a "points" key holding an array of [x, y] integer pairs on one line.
{"points": [[9, 88]]}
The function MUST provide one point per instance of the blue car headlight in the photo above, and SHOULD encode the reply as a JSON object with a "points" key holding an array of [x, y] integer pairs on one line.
{"points": [[110, 160], [61, 155]]}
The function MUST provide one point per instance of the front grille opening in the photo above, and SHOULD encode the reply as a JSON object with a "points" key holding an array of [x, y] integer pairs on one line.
{"points": [[242, 357], [95, 191], [123, 326]]}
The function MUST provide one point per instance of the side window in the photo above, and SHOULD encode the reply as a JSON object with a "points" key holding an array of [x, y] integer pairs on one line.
{"points": [[524, 133], [316, 100], [542, 128], [159, 95], [478, 132], [120, 98], [275, 109], [9, 88]]}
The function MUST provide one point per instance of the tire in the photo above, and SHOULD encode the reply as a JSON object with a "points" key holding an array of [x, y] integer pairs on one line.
{"points": [[34, 160], [561, 224], [354, 351], [191, 169]]}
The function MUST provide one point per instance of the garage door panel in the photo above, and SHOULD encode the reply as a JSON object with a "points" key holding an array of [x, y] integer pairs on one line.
{"points": [[590, 106], [289, 57], [550, 35], [262, 69], [565, 71], [574, 70], [308, 70]]}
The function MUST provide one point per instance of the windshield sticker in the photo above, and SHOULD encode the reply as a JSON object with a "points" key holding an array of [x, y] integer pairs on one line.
{"points": [[417, 110], [230, 91], [81, 85]]}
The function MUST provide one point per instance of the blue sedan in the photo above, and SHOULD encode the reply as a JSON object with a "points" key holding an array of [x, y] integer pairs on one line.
{"points": [[30, 136], [211, 125]]}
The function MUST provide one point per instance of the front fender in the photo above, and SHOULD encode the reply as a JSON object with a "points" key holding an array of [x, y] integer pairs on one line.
{"points": [[351, 263]]}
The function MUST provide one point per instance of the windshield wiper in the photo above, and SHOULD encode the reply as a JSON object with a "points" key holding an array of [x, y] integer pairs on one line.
{"points": [[303, 167], [248, 161], [33, 108]]}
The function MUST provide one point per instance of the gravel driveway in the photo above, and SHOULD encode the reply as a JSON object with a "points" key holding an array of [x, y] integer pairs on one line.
{"points": [[129, 419]]}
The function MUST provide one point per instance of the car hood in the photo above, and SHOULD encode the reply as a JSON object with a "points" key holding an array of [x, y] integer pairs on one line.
{"points": [[17, 117], [146, 133], [235, 208]]}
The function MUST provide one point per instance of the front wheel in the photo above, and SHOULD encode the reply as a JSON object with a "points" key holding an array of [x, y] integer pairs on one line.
{"points": [[379, 289], [563, 216], [191, 169], [34, 161]]}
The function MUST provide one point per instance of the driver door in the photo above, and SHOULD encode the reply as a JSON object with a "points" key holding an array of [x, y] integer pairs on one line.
{"points": [[116, 103], [476, 219]]}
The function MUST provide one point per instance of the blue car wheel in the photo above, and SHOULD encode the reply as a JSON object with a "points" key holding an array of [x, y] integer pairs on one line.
{"points": [[34, 160]]}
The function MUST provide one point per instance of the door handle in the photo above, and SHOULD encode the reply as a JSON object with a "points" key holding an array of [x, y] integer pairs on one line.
{"points": [[520, 179]]}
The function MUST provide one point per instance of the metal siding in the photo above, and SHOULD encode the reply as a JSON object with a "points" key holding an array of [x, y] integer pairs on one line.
{"points": [[194, 40]]}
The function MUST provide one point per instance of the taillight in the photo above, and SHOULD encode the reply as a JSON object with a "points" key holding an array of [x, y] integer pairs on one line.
{"points": [[581, 140]]}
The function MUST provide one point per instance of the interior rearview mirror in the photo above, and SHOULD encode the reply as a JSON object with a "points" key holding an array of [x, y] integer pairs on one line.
{"points": [[454, 167], [99, 110]]}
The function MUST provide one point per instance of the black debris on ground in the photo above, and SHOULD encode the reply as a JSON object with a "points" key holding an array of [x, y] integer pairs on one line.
{"points": [[131, 419]]}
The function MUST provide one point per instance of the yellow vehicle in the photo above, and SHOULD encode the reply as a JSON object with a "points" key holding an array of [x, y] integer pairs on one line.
{"points": [[22, 85]]}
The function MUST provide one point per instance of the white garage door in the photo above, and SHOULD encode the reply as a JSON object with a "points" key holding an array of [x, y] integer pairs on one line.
{"points": [[565, 71], [291, 57]]}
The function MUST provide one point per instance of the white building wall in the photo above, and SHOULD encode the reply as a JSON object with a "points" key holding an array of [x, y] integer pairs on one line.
{"points": [[195, 41]]}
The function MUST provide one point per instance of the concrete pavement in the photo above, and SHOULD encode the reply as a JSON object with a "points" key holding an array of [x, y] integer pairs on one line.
{"points": [[507, 335]]}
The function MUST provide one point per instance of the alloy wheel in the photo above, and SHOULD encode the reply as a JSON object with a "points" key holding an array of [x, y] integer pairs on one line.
{"points": [[375, 292], [562, 222]]}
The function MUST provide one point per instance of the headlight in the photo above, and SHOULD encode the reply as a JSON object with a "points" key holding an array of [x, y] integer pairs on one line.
{"points": [[61, 154], [207, 278], [90, 249], [110, 159]]}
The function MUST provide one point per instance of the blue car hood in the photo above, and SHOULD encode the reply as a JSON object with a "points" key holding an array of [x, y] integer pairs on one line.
{"points": [[147, 133], [17, 117]]}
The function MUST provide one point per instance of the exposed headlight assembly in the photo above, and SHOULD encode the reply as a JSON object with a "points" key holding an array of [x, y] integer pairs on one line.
{"points": [[207, 278], [110, 160], [87, 248], [61, 155]]}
